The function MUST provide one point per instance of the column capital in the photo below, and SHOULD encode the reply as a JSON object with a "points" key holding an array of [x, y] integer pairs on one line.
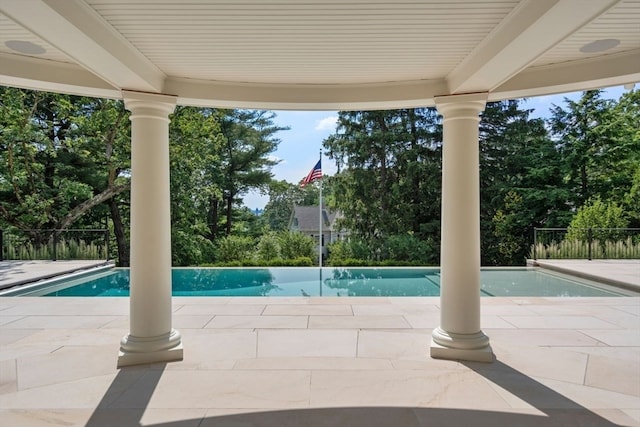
{"points": [[149, 105], [461, 106]]}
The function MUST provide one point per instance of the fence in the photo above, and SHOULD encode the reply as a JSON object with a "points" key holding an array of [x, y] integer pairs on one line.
{"points": [[586, 243], [54, 244]]}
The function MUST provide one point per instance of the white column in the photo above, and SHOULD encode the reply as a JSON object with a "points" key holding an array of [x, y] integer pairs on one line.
{"points": [[459, 336], [151, 337]]}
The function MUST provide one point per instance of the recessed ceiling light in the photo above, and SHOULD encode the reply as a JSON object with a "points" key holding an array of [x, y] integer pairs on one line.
{"points": [[599, 45], [25, 47]]}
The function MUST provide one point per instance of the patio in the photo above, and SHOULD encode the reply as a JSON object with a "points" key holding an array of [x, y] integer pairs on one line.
{"points": [[321, 362]]}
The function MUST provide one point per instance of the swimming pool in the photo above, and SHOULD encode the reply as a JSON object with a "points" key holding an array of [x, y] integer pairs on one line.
{"points": [[344, 282]]}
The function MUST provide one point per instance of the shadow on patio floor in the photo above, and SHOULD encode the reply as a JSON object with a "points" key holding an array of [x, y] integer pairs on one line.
{"points": [[121, 407]]}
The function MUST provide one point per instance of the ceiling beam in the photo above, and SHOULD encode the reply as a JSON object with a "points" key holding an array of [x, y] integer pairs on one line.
{"points": [[592, 73], [533, 28], [80, 33]]}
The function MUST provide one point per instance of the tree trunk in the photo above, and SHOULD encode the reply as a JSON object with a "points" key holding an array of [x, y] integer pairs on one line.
{"points": [[229, 213], [121, 238], [87, 205], [213, 218]]}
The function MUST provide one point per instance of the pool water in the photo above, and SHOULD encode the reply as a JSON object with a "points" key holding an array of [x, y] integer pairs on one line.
{"points": [[331, 282]]}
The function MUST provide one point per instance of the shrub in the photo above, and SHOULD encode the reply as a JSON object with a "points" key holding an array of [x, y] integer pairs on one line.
{"points": [[294, 244], [268, 247], [597, 215], [235, 248]]}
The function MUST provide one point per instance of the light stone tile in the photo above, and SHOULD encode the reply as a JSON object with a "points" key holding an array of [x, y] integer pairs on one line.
{"points": [[179, 300], [506, 310], [617, 375], [110, 417], [631, 309], [349, 300], [260, 322], [46, 417], [83, 393], [313, 363], [443, 388], [71, 306], [433, 301], [307, 343], [393, 345], [65, 365], [18, 350], [621, 338], [634, 414], [316, 417], [216, 309], [7, 320], [191, 322], [427, 364], [8, 376], [70, 337], [424, 321], [541, 337], [574, 310], [544, 362], [9, 336], [307, 309], [621, 319], [591, 397], [220, 389], [357, 322], [393, 309], [494, 322], [555, 322], [267, 300], [630, 354], [61, 322], [215, 350]]}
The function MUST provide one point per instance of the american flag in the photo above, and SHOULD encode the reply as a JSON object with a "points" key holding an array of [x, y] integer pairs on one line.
{"points": [[316, 173]]}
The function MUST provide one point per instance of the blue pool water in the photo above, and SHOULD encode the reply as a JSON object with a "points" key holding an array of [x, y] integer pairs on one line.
{"points": [[330, 282]]}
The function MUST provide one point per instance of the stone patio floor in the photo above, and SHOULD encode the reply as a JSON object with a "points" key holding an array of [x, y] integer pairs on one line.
{"points": [[270, 361], [322, 361]]}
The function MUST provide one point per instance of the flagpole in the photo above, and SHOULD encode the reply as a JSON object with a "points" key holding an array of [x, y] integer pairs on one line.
{"points": [[320, 223]]}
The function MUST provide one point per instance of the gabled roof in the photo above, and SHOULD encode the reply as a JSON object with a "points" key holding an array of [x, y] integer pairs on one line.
{"points": [[305, 219], [315, 54]]}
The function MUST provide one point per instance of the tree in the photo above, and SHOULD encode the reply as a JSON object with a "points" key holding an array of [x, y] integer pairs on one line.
{"points": [[388, 172], [521, 183], [598, 215], [600, 142], [64, 159], [248, 141], [282, 197]]}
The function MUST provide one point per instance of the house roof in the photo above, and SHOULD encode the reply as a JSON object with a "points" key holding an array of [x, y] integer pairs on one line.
{"points": [[307, 218], [315, 54]]}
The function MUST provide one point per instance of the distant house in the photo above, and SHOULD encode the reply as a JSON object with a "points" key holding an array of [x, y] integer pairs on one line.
{"points": [[305, 219]]}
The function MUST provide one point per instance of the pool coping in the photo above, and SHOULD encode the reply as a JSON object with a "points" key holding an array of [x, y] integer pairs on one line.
{"points": [[596, 276]]}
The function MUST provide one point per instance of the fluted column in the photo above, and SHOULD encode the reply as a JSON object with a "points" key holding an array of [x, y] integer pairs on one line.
{"points": [[459, 336], [151, 337]]}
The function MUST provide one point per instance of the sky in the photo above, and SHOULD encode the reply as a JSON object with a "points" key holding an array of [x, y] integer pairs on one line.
{"points": [[299, 147]]}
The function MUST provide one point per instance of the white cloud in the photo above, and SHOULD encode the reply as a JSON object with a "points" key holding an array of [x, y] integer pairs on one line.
{"points": [[328, 123]]}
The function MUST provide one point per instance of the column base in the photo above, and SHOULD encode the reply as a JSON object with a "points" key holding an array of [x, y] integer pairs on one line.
{"points": [[142, 350], [472, 347]]}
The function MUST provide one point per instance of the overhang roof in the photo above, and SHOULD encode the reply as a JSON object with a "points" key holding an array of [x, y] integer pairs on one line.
{"points": [[318, 55]]}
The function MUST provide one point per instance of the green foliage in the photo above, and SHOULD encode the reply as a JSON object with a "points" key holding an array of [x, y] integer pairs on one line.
{"points": [[628, 248], [294, 244], [596, 215], [389, 172], [73, 249], [234, 248], [269, 247], [395, 250]]}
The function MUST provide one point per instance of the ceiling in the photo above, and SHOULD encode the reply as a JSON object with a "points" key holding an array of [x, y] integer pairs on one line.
{"points": [[318, 55]]}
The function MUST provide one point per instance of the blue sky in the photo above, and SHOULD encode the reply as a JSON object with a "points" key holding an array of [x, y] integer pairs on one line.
{"points": [[300, 145]]}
